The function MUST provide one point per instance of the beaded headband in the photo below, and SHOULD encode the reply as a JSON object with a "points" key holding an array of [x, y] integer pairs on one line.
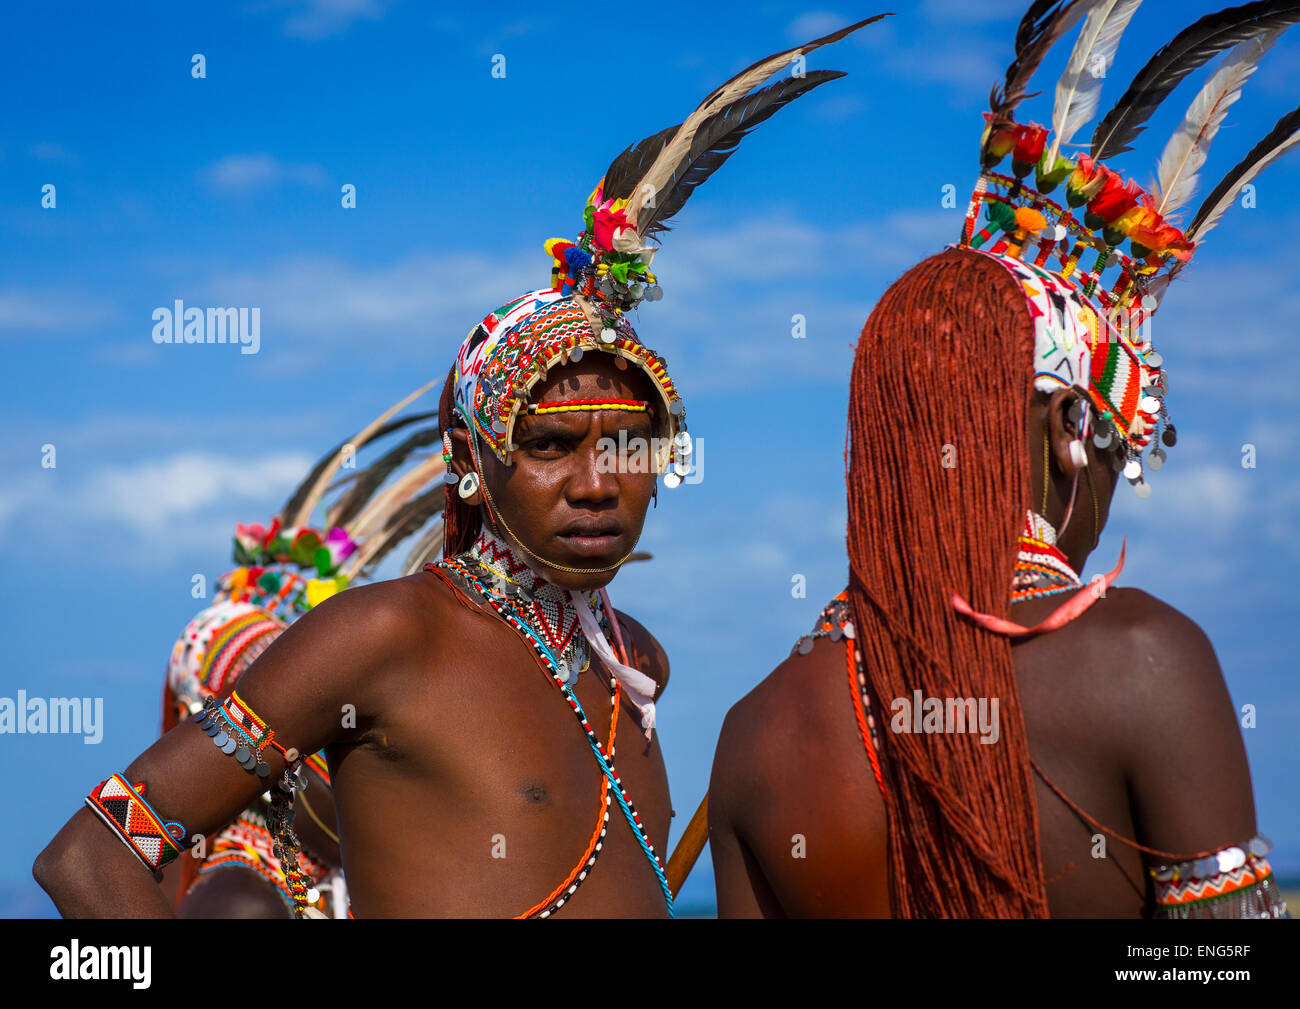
{"points": [[1091, 301], [605, 271]]}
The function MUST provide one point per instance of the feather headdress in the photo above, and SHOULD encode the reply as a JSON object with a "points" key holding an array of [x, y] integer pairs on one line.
{"points": [[605, 270], [292, 565], [1102, 211], [1189, 49], [651, 180]]}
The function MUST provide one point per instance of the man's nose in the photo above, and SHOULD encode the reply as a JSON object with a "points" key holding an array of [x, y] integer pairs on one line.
{"points": [[593, 478]]}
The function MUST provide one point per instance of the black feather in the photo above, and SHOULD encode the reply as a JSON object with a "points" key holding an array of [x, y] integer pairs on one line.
{"points": [[1039, 29], [717, 139], [1188, 50], [365, 482], [631, 165], [299, 495], [1286, 126]]}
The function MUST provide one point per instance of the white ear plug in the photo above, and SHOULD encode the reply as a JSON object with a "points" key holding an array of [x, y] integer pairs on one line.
{"points": [[1077, 454], [468, 485]]}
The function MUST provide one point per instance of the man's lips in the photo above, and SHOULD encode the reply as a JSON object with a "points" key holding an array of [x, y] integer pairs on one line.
{"points": [[592, 537]]}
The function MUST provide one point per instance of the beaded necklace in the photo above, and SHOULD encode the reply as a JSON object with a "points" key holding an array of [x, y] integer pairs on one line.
{"points": [[546, 608], [471, 571], [1041, 568]]}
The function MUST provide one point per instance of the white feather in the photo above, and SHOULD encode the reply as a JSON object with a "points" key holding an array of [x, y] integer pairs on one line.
{"points": [[1079, 90], [1184, 155], [1212, 218]]}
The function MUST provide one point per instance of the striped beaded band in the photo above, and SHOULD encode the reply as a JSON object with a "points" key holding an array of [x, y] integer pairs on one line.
{"points": [[566, 405], [238, 731], [123, 808], [1195, 888], [238, 643]]}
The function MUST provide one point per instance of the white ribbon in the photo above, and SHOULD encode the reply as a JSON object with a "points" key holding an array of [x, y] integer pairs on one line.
{"points": [[640, 688]]}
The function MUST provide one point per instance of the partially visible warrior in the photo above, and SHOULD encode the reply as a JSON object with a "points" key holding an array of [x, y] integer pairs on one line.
{"points": [[467, 784], [970, 730], [282, 572]]}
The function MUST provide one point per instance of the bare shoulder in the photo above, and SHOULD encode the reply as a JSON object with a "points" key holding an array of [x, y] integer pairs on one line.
{"points": [[770, 727], [1151, 676], [1162, 644], [647, 653], [356, 638], [388, 614]]}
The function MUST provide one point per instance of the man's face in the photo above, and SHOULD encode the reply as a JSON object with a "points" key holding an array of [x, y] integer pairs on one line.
{"points": [[569, 497]]}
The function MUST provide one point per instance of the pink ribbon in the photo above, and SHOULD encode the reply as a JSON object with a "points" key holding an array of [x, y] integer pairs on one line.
{"points": [[640, 688], [1059, 617]]}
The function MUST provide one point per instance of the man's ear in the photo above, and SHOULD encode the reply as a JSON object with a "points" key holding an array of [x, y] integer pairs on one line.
{"points": [[1061, 430], [462, 462]]}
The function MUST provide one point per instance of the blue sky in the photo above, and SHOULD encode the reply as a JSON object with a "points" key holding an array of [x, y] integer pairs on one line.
{"points": [[226, 191]]}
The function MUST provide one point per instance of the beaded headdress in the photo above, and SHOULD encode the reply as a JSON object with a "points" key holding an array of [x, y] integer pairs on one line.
{"points": [[1090, 299], [605, 270]]}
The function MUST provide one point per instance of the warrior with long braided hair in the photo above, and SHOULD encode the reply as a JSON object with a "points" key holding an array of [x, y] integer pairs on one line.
{"points": [[970, 730]]}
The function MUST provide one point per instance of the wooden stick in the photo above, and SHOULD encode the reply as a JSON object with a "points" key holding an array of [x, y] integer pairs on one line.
{"points": [[689, 847]]}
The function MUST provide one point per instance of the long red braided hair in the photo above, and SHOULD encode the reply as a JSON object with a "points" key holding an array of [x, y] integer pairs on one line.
{"points": [[938, 480]]}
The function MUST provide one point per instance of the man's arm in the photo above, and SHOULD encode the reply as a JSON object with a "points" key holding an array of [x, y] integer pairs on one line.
{"points": [[1188, 774], [333, 656], [742, 890], [647, 654]]}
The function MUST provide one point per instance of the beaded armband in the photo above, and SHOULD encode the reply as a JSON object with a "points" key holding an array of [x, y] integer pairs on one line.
{"points": [[1234, 882], [123, 808], [237, 731]]}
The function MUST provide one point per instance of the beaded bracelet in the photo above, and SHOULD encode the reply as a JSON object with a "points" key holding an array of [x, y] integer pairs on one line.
{"points": [[123, 809], [238, 731]]}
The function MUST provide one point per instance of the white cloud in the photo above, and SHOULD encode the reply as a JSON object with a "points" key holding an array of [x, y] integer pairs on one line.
{"points": [[317, 19], [245, 172], [49, 310], [149, 512], [415, 308], [47, 151], [152, 495]]}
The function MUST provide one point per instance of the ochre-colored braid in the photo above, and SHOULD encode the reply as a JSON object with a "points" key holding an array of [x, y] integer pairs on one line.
{"points": [[938, 480], [463, 522]]}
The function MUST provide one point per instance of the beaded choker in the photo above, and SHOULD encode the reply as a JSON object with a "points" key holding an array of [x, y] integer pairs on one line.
{"points": [[1041, 568], [546, 608]]}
